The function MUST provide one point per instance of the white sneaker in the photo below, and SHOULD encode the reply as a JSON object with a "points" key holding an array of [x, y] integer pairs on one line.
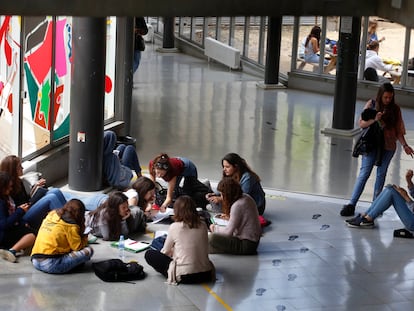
{"points": [[7, 255]]}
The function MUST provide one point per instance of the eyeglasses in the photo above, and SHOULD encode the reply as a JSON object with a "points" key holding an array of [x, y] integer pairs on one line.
{"points": [[163, 166]]}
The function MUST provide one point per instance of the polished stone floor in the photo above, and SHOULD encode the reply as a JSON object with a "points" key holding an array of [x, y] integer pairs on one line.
{"points": [[307, 259]]}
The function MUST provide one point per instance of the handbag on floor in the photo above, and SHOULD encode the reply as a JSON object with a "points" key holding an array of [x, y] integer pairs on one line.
{"points": [[115, 270]]}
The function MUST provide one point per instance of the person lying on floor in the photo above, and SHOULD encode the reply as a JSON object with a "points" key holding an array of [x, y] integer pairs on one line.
{"points": [[121, 166], [392, 195], [114, 217]]}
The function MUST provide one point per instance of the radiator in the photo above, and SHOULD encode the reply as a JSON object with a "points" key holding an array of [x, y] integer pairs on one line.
{"points": [[222, 53]]}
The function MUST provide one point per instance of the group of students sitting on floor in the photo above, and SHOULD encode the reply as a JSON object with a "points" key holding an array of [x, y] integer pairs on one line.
{"points": [[56, 226]]}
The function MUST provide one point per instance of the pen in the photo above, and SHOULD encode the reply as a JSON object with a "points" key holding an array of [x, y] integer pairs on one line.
{"points": [[135, 242]]}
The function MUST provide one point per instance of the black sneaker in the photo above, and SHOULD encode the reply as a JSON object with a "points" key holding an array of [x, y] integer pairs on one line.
{"points": [[358, 216], [360, 222], [348, 210], [365, 223], [354, 222], [403, 233]]}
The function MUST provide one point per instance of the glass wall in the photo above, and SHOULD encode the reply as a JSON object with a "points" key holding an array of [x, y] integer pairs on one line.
{"points": [[249, 35], [10, 31], [46, 81], [39, 117], [36, 56], [109, 109]]}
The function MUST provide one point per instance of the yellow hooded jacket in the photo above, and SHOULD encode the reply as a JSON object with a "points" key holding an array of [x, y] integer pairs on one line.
{"points": [[56, 237]]}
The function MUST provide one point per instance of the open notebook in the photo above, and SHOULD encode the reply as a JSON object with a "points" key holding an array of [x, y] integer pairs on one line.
{"points": [[133, 246], [219, 221]]}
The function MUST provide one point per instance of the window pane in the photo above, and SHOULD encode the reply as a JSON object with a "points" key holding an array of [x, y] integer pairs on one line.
{"points": [[37, 51], [109, 108], [63, 55], [9, 83]]}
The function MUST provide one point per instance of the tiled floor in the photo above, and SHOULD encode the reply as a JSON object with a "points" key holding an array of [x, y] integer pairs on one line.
{"points": [[308, 259]]}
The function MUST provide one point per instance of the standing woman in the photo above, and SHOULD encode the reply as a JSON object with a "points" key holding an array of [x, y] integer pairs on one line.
{"points": [[242, 234], [61, 244], [237, 168], [15, 235], [390, 119], [184, 257], [53, 198], [173, 170]]}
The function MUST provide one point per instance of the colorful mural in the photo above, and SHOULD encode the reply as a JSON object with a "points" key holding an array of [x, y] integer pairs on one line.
{"points": [[8, 64], [38, 68], [45, 98]]}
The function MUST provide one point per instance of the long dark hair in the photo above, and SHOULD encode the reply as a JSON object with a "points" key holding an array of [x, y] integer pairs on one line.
{"points": [[185, 210], [241, 166], [142, 186], [390, 111], [110, 213], [231, 191], [161, 161], [10, 164], [4, 184], [316, 33], [73, 212]]}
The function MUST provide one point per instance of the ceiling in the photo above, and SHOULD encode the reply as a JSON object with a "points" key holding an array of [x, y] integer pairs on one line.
{"points": [[400, 11]]}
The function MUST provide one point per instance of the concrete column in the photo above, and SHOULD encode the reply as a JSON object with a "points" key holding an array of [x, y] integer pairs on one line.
{"points": [[87, 104], [168, 37], [123, 74], [346, 73], [274, 36]]}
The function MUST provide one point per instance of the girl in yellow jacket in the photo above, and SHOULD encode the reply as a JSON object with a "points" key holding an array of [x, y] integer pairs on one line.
{"points": [[61, 244]]}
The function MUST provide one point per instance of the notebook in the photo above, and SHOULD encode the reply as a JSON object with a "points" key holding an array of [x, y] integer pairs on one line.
{"points": [[133, 246]]}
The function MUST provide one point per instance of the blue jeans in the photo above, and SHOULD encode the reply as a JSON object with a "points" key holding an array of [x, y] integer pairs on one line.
{"points": [[314, 58], [53, 199], [367, 164], [190, 170], [91, 201], [117, 168], [64, 263], [389, 196], [128, 156], [137, 60]]}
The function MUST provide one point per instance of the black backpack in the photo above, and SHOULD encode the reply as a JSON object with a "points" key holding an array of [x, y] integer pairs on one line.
{"points": [[115, 270]]}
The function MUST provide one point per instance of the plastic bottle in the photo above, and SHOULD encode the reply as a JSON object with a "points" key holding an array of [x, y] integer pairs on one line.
{"points": [[121, 247]]}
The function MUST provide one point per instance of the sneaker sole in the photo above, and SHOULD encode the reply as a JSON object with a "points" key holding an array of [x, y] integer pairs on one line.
{"points": [[367, 226], [6, 255], [352, 225], [370, 226]]}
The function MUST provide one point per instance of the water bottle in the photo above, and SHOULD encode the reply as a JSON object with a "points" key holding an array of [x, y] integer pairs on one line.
{"points": [[121, 247]]}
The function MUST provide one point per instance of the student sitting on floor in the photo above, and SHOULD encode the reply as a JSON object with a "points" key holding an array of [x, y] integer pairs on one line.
{"points": [[61, 244], [184, 257], [120, 165], [242, 234], [391, 195], [15, 235], [52, 199], [114, 218]]}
